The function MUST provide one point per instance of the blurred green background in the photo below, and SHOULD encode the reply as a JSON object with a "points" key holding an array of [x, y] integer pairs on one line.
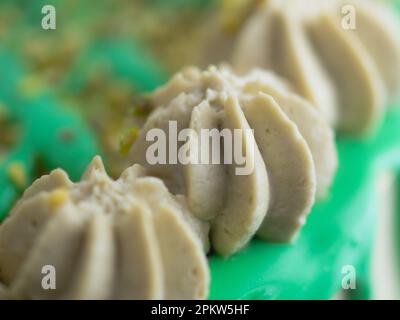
{"points": [[68, 94]]}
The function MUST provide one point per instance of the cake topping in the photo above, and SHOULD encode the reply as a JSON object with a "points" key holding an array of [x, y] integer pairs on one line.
{"points": [[291, 149], [105, 239], [344, 61]]}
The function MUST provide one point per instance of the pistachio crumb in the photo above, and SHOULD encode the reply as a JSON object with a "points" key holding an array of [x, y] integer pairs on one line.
{"points": [[31, 85], [58, 198], [235, 12], [17, 174], [67, 135], [128, 140]]}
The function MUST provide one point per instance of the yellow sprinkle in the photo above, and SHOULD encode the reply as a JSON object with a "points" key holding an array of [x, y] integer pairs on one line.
{"points": [[31, 85], [234, 13], [58, 198], [17, 174], [128, 140]]}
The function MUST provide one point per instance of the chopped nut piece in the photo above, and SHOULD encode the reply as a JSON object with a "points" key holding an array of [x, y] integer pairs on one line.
{"points": [[17, 174]]}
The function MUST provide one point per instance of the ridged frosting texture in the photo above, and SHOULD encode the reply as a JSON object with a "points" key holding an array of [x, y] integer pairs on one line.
{"points": [[294, 154], [106, 239], [349, 69]]}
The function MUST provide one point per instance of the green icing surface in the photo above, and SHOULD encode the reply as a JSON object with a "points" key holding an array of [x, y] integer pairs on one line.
{"points": [[43, 119], [339, 232]]}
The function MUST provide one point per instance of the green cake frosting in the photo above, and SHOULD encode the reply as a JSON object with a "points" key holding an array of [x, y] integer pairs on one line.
{"points": [[339, 232]]}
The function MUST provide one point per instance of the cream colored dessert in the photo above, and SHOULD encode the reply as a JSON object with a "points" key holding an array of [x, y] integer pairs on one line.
{"points": [[293, 147], [343, 56], [105, 239]]}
